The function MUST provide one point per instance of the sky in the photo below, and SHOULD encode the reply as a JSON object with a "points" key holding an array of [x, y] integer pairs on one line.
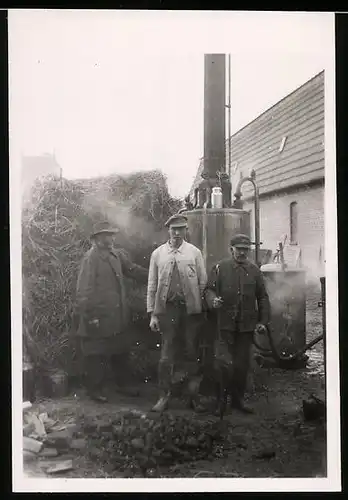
{"points": [[121, 91]]}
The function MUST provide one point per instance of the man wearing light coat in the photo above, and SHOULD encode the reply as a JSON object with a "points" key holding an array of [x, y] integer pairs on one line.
{"points": [[177, 279]]}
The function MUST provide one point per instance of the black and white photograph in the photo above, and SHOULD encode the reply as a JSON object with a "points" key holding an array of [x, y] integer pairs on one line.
{"points": [[173, 251]]}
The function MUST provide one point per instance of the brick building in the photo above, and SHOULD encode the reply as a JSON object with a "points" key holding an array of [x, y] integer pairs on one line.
{"points": [[285, 147]]}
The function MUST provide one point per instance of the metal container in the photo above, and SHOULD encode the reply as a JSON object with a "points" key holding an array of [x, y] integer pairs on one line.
{"points": [[212, 230], [216, 197], [59, 384], [287, 293]]}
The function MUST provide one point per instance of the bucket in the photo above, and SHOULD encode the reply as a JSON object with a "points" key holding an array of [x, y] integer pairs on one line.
{"points": [[28, 382], [59, 384]]}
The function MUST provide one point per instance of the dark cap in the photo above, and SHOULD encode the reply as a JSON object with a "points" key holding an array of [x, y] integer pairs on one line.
{"points": [[241, 241], [104, 227], [177, 220]]}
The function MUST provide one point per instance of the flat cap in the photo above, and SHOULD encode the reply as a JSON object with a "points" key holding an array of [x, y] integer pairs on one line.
{"points": [[177, 220], [241, 241], [104, 227]]}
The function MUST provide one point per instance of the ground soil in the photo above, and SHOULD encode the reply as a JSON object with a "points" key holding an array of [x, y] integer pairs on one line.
{"points": [[294, 447]]}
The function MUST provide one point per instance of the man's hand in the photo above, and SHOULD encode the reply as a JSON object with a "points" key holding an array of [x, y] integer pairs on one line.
{"points": [[260, 329], [154, 324], [217, 302]]}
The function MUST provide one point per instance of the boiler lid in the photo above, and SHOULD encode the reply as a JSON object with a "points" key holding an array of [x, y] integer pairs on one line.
{"points": [[277, 268]]}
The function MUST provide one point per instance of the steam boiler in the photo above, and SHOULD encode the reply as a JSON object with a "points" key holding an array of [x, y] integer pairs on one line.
{"points": [[212, 227]]}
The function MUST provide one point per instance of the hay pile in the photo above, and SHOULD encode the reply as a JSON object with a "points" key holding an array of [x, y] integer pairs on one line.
{"points": [[57, 219]]}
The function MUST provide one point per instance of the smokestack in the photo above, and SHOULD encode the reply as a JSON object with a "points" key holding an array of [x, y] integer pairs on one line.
{"points": [[214, 114]]}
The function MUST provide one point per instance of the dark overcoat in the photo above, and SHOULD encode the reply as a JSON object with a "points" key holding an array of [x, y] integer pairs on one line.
{"points": [[244, 295], [101, 299]]}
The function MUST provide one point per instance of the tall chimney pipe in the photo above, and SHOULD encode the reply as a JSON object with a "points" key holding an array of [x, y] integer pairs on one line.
{"points": [[214, 114]]}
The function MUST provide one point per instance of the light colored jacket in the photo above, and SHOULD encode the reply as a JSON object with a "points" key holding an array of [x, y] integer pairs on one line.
{"points": [[192, 272]]}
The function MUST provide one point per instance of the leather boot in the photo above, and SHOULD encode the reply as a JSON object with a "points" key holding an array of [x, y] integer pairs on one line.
{"points": [[193, 394], [165, 373], [240, 406], [162, 404]]}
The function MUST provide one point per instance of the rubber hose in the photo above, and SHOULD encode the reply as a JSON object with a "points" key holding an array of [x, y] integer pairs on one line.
{"points": [[279, 357]]}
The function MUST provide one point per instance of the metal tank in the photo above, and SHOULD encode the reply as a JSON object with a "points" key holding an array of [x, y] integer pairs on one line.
{"points": [[287, 292], [212, 229]]}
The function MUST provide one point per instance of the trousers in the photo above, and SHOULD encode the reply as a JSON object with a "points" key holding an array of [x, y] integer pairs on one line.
{"points": [[179, 343], [239, 346], [100, 369], [96, 368]]}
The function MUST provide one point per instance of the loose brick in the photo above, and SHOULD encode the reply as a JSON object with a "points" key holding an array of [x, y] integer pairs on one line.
{"points": [[103, 426], [60, 439], [49, 452], [63, 466], [30, 444], [78, 444], [29, 456]]}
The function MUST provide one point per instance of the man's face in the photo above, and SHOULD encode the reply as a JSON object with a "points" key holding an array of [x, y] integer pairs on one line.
{"points": [[240, 253], [177, 234], [105, 239]]}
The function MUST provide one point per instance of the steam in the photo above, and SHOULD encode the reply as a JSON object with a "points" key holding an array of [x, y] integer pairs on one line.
{"points": [[288, 290], [119, 214]]}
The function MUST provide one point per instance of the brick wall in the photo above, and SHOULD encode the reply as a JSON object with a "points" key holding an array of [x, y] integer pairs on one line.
{"points": [[275, 223]]}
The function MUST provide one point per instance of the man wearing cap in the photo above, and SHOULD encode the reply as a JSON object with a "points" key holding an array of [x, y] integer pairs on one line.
{"points": [[176, 282], [235, 286], [102, 306]]}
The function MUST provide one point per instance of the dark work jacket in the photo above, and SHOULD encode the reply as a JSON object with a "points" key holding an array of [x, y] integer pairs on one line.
{"points": [[245, 298], [101, 293]]}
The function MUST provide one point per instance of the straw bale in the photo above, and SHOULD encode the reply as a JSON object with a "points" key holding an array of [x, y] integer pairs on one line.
{"points": [[57, 220]]}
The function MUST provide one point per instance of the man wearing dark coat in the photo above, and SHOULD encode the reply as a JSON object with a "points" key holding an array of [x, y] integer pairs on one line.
{"points": [[102, 307], [235, 286]]}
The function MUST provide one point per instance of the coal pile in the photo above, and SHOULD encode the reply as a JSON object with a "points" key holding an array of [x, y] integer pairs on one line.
{"points": [[140, 445]]}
